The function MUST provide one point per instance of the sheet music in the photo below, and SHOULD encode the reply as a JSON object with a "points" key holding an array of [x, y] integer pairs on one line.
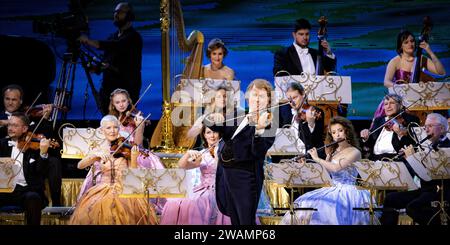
{"points": [[385, 175]]}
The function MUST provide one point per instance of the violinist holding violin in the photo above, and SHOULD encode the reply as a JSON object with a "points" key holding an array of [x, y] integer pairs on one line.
{"points": [[121, 106], [387, 139], [245, 142], [29, 190], [101, 204], [307, 119], [12, 102]]}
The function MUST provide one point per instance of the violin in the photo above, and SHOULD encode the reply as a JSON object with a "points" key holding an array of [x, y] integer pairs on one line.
{"points": [[399, 120], [34, 141], [305, 107], [125, 149], [127, 119], [37, 111]]}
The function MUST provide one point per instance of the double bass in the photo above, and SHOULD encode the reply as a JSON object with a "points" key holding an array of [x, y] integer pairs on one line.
{"points": [[321, 35], [420, 63]]}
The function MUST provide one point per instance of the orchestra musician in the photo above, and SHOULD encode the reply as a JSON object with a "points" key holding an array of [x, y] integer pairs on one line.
{"points": [[418, 202], [120, 106], [12, 102], [216, 69], [299, 57], [308, 120], [387, 139], [240, 174], [29, 189], [101, 204]]}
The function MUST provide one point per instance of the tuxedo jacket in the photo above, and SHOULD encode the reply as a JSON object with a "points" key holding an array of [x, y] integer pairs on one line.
{"points": [[396, 142], [310, 139], [33, 167], [244, 153], [288, 60]]}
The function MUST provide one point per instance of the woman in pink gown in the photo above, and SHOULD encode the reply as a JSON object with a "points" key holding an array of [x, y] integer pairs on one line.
{"points": [[101, 204], [201, 207], [120, 104]]}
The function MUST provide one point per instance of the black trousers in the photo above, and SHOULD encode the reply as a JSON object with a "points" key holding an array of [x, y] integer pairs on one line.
{"points": [[244, 190], [29, 200], [417, 204], [54, 176]]}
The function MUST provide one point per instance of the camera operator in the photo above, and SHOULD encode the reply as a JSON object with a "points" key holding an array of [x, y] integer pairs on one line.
{"points": [[123, 56]]}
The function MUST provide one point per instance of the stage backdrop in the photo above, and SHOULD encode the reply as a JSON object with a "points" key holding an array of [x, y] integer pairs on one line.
{"points": [[362, 36]]}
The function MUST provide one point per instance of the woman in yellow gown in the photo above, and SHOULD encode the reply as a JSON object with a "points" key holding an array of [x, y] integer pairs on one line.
{"points": [[101, 204]]}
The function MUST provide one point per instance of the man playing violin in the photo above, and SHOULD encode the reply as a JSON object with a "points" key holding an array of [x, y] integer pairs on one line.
{"points": [[308, 120], [29, 189], [246, 140], [387, 139], [418, 202], [12, 102]]}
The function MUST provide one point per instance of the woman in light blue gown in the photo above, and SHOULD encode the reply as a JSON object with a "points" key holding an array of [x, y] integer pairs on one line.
{"points": [[335, 204]]}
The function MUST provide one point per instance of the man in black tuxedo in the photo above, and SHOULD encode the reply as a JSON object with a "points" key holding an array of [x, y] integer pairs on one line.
{"points": [[29, 190], [418, 202], [245, 142], [12, 102], [299, 58], [310, 122], [389, 140]]}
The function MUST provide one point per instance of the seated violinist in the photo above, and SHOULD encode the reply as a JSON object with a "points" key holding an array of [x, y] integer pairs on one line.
{"points": [[387, 139], [418, 202], [101, 204], [120, 106], [29, 190], [12, 102], [307, 119]]}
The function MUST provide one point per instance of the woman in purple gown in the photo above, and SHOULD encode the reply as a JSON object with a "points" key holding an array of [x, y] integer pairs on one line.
{"points": [[400, 69]]}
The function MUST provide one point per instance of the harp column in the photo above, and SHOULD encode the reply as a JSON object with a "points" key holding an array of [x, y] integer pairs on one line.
{"points": [[167, 143]]}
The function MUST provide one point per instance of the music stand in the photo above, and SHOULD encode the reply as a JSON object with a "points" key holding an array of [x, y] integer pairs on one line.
{"points": [[155, 183], [433, 165], [7, 174], [383, 175], [292, 174]]}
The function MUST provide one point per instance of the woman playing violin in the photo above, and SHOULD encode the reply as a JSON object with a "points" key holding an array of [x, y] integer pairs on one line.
{"points": [[101, 204], [121, 106], [388, 141]]}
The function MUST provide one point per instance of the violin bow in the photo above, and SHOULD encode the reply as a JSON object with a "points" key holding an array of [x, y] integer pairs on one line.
{"points": [[34, 102], [137, 126], [32, 133]]}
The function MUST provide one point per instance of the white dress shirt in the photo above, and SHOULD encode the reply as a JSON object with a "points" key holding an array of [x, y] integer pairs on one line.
{"points": [[384, 143], [20, 177], [305, 59]]}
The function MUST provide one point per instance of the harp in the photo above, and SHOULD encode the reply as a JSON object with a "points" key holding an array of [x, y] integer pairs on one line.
{"points": [[181, 57]]}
